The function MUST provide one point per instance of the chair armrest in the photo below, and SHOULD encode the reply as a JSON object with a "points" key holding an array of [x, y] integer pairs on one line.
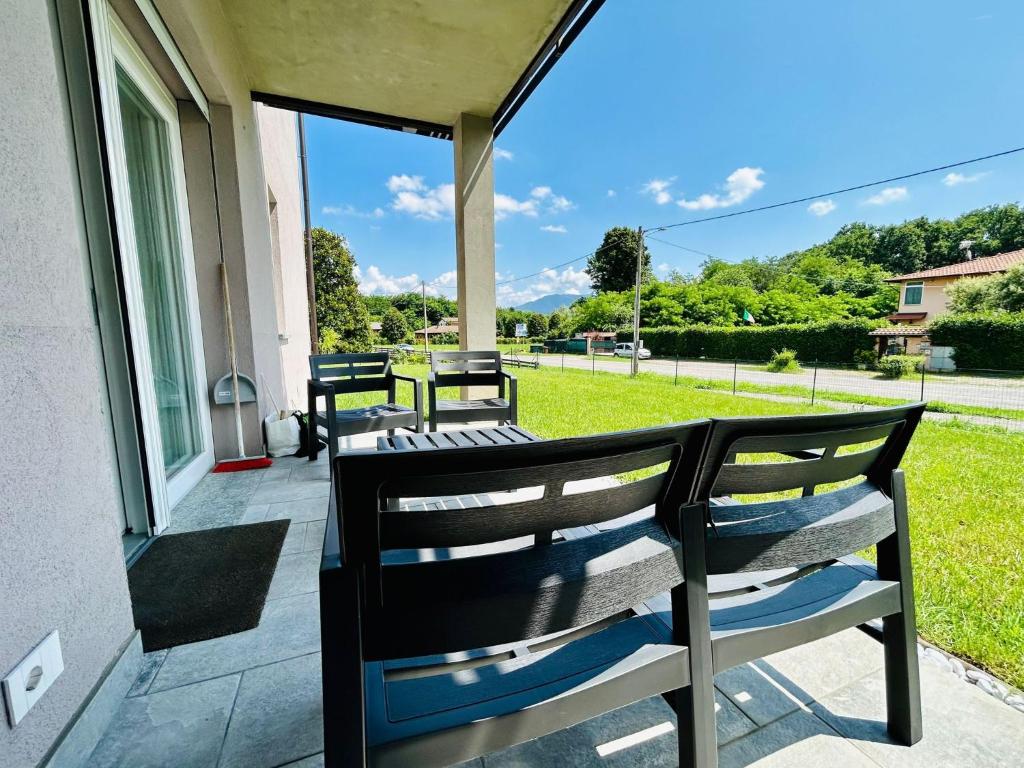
{"points": [[403, 377], [317, 388], [512, 396]]}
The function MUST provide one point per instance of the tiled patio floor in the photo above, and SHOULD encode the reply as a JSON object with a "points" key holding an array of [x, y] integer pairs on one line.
{"points": [[252, 700]]}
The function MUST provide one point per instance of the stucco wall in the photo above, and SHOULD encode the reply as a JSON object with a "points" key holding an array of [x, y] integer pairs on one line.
{"points": [[205, 39], [278, 137], [934, 300], [61, 564]]}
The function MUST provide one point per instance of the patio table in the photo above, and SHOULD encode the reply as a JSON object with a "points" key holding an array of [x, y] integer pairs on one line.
{"points": [[457, 438]]}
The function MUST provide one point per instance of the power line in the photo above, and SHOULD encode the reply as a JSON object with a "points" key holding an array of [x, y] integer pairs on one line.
{"points": [[677, 245], [838, 191]]}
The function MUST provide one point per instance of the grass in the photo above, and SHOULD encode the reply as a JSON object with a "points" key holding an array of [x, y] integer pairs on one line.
{"points": [[964, 482]]}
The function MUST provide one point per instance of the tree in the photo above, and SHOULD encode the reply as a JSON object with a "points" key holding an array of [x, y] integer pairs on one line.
{"points": [[393, 326], [536, 324], [993, 293], [613, 266], [340, 312]]}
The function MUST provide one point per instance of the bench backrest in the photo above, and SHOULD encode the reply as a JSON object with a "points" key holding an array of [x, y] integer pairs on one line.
{"points": [[789, 453], [428, 602], [462, 369], [353, 372]]}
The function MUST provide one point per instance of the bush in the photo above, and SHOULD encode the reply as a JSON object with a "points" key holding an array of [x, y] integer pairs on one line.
{"points": [[898, 366], [783, 361], [982, 341], [868, 358], [836, 341]]}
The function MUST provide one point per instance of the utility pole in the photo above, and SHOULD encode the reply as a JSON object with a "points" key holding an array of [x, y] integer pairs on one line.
{"points": [[636, 300], [314, 336], [423, 287]]}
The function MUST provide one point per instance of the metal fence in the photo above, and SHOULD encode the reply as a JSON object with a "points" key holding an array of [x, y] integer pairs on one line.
{"points": [[978, 396]]}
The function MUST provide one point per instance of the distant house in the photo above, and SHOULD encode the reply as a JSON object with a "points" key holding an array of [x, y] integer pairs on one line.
{"points": [[923, 297], [445, 325], [375, 326]]}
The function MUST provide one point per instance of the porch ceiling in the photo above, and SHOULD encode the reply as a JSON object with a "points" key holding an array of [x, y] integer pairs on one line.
{"points": [[419, 59]]}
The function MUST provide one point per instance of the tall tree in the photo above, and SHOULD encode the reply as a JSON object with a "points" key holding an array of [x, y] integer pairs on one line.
{"points": [[613, 266], [339, 307], [393, 326]]}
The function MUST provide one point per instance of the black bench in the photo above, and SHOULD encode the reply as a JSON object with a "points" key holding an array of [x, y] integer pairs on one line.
{"points": [[430, 660]]}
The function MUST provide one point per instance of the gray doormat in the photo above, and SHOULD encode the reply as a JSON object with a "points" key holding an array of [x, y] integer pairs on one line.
{"points": [[195, 586]]}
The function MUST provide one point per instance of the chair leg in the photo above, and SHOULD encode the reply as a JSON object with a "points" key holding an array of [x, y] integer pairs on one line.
{"points": [[902, 679], [899, 631], [312, 438], [332, 448]]}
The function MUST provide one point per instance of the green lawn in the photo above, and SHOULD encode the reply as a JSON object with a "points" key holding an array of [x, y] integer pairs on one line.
{"points": [[965, 483]]}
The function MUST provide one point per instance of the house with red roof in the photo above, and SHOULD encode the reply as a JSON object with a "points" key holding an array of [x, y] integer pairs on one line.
{"points": [[924, 296]]}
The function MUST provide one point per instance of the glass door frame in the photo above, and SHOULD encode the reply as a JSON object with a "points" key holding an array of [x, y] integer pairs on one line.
{"points": [[115, 48]]}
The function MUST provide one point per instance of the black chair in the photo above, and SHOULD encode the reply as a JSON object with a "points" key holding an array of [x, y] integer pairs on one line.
{"points": [[352, 373], [430, 660], [781, 573], [470, 369]]}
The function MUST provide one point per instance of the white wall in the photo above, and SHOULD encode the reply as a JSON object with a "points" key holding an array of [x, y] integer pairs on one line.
{"points": [[279, 139], [61, 563]]}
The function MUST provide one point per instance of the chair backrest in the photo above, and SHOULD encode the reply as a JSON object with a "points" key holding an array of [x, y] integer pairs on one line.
{"points": [[771, 455], [423, 604], [461, 369], [353, 372]]}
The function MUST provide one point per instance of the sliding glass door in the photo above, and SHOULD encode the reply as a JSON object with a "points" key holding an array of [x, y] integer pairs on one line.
{"points": [[162, 273], [159, 275]]}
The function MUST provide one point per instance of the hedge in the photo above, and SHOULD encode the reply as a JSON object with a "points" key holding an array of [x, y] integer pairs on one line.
{"points": [[982, 341], [838, 341]]}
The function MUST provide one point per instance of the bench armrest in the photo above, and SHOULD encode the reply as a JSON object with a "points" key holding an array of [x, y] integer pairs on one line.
{"points": [[317, 388], [512, 395]]}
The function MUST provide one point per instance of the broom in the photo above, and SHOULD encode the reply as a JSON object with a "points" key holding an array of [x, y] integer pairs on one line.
{"points": [[243, 462]]}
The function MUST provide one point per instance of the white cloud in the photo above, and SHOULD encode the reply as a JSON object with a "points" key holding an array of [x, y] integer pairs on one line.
{"points": [[350, 210], [739, 185], [502, 154], [557, 228], [663, 268], [887, 195], [568, 280], [412, 196], [658, 189], [506, 205], [821, 207], [954, 179], [374, 281], [611, 193], [407, 183]]}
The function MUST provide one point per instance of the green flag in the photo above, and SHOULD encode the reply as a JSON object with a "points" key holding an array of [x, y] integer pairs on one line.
{"points": [[748, 318]]}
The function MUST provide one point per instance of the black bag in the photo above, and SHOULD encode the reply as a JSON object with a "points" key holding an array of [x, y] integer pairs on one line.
{"points": [[304, 435]]}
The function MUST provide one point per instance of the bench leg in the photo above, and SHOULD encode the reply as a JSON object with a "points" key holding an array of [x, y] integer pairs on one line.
{"points": [[312, 438], [899, 631]]}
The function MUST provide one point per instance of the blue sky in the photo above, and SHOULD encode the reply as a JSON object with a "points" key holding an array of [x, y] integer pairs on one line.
{"points": [[664, 111]]}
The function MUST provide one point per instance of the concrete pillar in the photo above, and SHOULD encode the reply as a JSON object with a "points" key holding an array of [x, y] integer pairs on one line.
{"points": [[474, 230]]}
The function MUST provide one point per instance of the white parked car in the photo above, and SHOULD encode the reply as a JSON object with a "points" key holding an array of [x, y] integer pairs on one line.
{"points": [[626, 350]]}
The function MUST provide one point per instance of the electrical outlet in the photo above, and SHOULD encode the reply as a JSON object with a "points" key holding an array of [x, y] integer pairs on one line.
{"points": [[27, 682]]}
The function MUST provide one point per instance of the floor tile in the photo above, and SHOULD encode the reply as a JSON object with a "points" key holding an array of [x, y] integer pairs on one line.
{"points": [[963, 726], [183, 727], [577, 746], [313, 761], [295, 575], [300, 511], [278, 715], [289, 627], [797, 740], [254, 514], [312, 470], [274, 491], [294, 539], [772, 687], [151, 663], [275, 472], [314, 541]]}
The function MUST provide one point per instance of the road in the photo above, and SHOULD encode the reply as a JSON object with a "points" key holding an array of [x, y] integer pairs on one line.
{"points": [[962, 389]]}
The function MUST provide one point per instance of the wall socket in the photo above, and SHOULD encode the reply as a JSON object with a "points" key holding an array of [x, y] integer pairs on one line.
{"points": [[27, 682]]}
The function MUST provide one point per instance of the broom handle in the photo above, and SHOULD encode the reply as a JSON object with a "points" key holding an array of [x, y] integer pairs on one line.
{"points": [[233, 360]]}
